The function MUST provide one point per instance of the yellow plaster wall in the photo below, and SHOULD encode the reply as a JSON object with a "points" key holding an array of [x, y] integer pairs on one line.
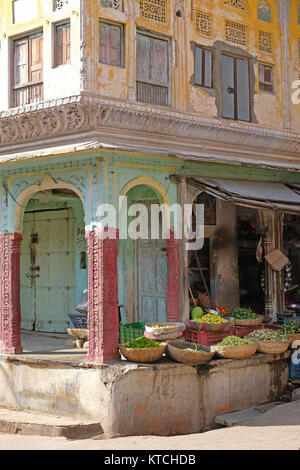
{"points": [[119, 82]]}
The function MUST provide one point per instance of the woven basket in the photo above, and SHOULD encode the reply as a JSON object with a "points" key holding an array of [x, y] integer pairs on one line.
{"points": [[142, 354], [176, 350], [293, 338], [243, 351], [220, 327], [273, 347], [250, 322]]}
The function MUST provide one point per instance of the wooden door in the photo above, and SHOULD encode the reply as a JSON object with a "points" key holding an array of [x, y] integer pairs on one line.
{"points": [[48, 270], [235, 88]]}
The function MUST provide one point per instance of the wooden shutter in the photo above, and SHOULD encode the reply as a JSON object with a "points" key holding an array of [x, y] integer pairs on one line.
{"points": [[63, 44], [110, 41], [143, 48], [36, 59], [243, 90], [21, 62], [198, 66], [159, 70], [228, 91], [203, 67], [104, 41]]}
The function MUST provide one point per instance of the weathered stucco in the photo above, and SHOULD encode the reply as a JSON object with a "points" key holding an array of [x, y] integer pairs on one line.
{"points": [[130, 399]]}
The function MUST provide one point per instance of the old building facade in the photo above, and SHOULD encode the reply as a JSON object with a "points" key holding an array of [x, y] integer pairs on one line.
{"points": [[159, 101]]}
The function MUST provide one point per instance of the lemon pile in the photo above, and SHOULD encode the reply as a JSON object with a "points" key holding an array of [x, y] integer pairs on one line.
{"points": [[209, 318]]}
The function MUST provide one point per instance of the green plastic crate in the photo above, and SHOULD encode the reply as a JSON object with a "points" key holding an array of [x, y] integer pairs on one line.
{"points": [[130, 331]]}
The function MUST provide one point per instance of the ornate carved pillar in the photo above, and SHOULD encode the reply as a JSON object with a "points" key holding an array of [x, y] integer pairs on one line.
{"points": [[103, 313], [173, 279], [10, 311]]}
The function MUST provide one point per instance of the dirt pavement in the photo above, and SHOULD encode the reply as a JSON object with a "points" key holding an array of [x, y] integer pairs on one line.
{"points": [[277, 429]]}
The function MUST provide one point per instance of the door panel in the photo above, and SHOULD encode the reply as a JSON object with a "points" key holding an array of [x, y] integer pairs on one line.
{"points": [[47, 299], [151, 280], [228, 92], [243, 104]]}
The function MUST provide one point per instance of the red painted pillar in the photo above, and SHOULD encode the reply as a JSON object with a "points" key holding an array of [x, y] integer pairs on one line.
{"points": [[103, 313], [173, 279], [10, 310]]}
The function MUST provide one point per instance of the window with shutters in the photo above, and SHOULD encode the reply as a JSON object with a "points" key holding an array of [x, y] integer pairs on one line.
{"points": [[62, 49], [111, 43], [235, 88], [203, 60], [152, 69], [28, 70], [266, 80]]}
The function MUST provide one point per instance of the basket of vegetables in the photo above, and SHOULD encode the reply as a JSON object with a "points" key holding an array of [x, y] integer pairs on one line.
{"points": [[269, 341], [189, 353], [245, 317], [292, 330], [142, 350], [202, 321], [233, 347]]}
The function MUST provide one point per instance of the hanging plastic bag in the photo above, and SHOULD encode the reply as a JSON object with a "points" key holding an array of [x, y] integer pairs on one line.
{"points": [[82, 306]]}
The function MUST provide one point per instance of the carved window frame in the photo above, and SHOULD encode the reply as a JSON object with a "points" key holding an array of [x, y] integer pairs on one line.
{"points": [[266, 6]]}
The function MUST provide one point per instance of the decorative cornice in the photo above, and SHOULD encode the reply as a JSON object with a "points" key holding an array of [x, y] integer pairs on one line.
{"points": [[48, 122]]}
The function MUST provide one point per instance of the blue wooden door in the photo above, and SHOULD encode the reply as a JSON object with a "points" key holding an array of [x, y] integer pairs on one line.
{"points": [[151, 280], [48, 270]]}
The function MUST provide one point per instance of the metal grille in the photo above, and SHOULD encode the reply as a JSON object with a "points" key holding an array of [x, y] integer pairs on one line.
{"points": [[264, 11], [241, 4], [236, 33], [203, 23], [154, 10], [115, 4], [265, 42], [148, 93]]}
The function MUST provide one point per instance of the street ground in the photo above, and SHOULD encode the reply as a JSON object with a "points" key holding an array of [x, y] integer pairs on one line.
{"points": [[276, 429]]}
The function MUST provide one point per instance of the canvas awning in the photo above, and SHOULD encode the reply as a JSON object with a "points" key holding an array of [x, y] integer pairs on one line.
{"points": [[257, 194]]}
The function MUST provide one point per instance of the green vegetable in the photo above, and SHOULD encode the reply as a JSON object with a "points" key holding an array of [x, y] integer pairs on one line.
{"points": [[142, 342], [240, 313], [160, 325], [291, 328], [197, 312], [267, 335], [234, 341]]}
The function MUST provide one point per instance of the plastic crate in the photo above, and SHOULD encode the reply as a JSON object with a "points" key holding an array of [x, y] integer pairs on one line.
{"points": [[78, 320], [206, 338], [242, 331], [130, 331], [295, 368]]}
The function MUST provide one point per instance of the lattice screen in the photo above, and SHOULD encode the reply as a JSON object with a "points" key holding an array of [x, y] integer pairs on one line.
{"points": [[235, 33], [115, 4], [240, 4], [203, 23], [154, 10], [265, 42]]}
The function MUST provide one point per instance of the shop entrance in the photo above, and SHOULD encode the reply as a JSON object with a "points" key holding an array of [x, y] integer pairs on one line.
{"points": [[52, 273], [251, 271]]}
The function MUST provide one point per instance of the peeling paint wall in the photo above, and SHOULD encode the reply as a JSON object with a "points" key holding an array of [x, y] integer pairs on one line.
{"points": [[87, 74]]}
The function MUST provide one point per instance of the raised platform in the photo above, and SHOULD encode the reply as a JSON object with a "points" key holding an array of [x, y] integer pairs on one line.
{"points": [[131, 399]]}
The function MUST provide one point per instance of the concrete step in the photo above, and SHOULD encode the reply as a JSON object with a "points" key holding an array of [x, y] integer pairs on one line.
{"points": [[238, 417], [30, 424]]}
